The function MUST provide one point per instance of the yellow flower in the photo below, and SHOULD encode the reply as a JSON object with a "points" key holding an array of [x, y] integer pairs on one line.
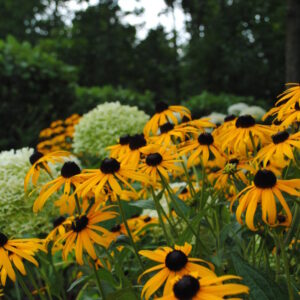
{"points": [[84, 232], [263, 191], [40, 161], [237, 140], [69, 177], [169, 133], [163, 114], [172, 262], [191, 287], [121, 148], [203, 146], [13, 251], [159, 161], [96, 181], [280, 149], [229, 122]]}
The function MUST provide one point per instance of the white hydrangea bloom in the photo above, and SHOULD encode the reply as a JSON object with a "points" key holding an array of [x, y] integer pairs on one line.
{"points": [[216, 118], [102, 127], [237, 109], [255, 111], [16, 216]]}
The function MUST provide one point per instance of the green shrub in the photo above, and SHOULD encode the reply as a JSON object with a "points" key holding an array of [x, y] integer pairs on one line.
{"points": [[90, 97], [35, 89], [206, 102]]}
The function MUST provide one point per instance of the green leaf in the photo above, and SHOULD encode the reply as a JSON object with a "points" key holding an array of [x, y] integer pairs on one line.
{"points": [[145, 204], [124, 294], [78, 281], [261, 286]]}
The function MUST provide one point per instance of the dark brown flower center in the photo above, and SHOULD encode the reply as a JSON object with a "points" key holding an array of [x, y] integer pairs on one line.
{"points": [[153, 159], [297, 106], [166, 127], [245, 121], [184, 191], [160, 107], [116, 228], [58, 221], [205, 139], [109, 166], [80, 223], [124, 140], [176, 260], [70, 169], [186, 288], [234, 161], [265, 179], [3, 239], [35, 156], [147, 219], [229, 118], [137, 141], [280, 137]]}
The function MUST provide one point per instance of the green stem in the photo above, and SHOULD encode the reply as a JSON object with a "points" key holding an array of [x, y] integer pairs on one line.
{"points": [[162, 224], [37, 288], [24, 287], [129, 234], [77, 204], [286, 267], [192, 190], [101, 291]]}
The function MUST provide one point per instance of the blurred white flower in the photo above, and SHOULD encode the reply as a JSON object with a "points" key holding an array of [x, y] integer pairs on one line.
{"points": [[216, 118], [102, 127], [237, 109], [255, 111]]}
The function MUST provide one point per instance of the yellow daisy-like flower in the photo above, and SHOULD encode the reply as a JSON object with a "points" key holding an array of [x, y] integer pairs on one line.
{"points": [[172, 262], [137, 144], [288, 98], [163, 161], [107, 176], [69, 177], [291, 116], [13, 251], [200, 124], [238, 140], [121, 148], [164, 114], [281, 148], [229, 122], [264, 190], [40, 161], [203, 146], [84, 232], [192, 287], [169, 133]]}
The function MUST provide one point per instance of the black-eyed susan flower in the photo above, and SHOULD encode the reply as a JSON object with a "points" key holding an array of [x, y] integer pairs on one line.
{"points": [[281, 148], [40, 161], [137, 143], [164, 114], [12, 252], [84, 232], [291, 116], [121, 148], [69, 178], [170, 133], [172, 262], [202, 147], [59, 229], [264, 191], [160, 161], [245, 136], [191, 287], [108, 176], [227, 125]]}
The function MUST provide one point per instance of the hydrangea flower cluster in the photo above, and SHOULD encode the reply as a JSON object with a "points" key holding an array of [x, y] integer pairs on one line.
{"points": [[102, 126]]}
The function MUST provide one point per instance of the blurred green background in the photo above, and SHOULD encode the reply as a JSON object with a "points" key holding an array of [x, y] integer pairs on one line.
{"points": [[55, 61]]}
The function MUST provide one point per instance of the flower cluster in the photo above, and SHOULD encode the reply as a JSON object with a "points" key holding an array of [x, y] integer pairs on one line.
{"points": [[103, 125], [193, 174]]}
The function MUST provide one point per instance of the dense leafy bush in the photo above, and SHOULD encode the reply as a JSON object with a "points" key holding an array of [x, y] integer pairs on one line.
{"points": [[35, 89], [206, 102], [90, 97]]}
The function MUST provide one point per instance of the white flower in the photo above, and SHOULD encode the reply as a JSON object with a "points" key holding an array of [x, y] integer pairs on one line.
{"points": [[216, 118], [16, 216], [255, 111], [237, 109], [102, 127]]}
